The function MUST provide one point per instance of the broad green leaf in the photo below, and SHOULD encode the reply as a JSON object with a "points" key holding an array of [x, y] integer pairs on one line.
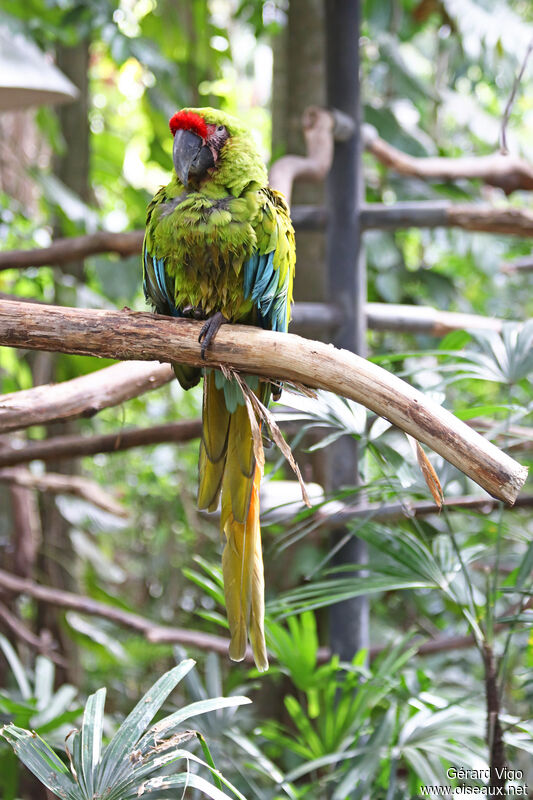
{"points": [[323, 761], [42, 761], [168, 726], [326, 593], [116, 755], [91, 738], [260, 761], [163, 784], [44, 681]]}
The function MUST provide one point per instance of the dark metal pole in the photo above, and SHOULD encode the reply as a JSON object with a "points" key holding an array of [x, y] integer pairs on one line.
{"points": [[347, 283]]}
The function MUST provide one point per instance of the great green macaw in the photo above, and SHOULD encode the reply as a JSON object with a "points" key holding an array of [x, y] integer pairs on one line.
{"points": [[219, 246]]}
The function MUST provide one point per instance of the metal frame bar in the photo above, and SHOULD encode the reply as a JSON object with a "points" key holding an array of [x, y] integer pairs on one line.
{"points": [[346, 287]]}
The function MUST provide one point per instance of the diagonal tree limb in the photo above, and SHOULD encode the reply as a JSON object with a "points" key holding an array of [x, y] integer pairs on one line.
{"points": [[130, 335], [86, 605], [42, 643], [83, 396], [517, 265], [164, 634], [503, 171], [340, 514], [73, 248]]}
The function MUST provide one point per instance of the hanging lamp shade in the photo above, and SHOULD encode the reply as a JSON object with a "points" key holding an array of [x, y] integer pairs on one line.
{"points": [[27, 78]]}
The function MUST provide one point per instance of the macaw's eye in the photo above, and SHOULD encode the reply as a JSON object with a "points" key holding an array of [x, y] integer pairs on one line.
{"points": [[220, 128]]}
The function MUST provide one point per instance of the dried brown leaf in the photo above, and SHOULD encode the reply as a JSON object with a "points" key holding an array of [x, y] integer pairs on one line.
{"points": [[268, 418], [247, 393], [430, 476], [295, 387]]}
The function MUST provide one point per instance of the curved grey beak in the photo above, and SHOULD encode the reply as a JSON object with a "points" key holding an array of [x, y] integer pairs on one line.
{"points": [[191, 158]]}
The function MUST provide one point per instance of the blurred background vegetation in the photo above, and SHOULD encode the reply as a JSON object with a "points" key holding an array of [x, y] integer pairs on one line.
{"points": [[436, 75]]}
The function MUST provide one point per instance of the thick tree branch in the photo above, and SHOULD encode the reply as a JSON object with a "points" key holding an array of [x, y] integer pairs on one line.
{"points": [[86, 605], [42, 643], [74, 248], [503, 171], [57, 483], [80, 397], [379, 317], [130, 335]]}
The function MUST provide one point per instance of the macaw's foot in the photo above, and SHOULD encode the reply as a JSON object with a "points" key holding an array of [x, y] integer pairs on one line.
{"points": [[210, 329], [193, 312]]}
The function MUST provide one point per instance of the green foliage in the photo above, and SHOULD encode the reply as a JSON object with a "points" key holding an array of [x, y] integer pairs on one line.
{"points": [[135, 760]]}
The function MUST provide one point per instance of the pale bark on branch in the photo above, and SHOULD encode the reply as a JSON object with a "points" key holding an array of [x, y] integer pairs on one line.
{"points": [[56, 483], [517, 265], [43, 643], [74, 248], [503, 171], [129, 335], [425, 319], [86, 605], [80, 397], [379, 317]]}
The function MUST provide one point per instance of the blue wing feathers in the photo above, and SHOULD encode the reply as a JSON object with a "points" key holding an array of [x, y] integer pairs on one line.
{"points": [[250, 272], [155, 285], [261, 283]]}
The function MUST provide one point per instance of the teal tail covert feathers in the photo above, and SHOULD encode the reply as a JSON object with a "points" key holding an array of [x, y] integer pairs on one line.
{"points": [[219, 246]]}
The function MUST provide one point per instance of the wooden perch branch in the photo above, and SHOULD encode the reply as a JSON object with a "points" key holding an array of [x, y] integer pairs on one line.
{"points": [[130, 335], [80, 397], [503, 171], [64, 484], [57, 447], [379, 317], [86, 605]]}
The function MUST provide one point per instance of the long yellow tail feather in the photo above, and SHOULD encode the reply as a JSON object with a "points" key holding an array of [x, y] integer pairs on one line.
{"points": [[227, 468]]}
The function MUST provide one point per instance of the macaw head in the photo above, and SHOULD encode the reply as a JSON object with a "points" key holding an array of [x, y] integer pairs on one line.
{"points": [[210, 145]]}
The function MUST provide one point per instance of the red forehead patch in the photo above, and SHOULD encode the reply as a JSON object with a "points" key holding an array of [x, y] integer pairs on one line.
{"points": [[188, 121]]}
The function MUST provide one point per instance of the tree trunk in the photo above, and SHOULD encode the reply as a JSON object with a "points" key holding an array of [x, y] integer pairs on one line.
{"points": [[300, 81]]}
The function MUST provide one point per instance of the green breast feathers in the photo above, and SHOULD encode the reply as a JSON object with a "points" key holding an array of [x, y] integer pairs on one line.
{"points": [[228, 254], [217, 238]]}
